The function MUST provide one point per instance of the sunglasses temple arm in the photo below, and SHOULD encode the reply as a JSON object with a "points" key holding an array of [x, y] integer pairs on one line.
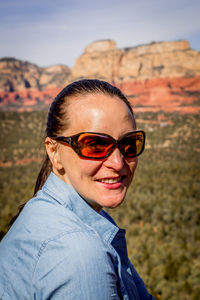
{"points": [[67, 140]]}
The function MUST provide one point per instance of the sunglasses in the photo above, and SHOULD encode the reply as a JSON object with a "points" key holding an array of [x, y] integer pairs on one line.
{"points": [[93, 145]]}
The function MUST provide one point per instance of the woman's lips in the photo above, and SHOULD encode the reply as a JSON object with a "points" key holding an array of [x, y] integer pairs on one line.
{"points": [[112, 182]]}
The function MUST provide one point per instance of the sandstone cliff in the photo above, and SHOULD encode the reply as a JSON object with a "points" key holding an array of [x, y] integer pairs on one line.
{"points": [[156, 76], [103, 60]]}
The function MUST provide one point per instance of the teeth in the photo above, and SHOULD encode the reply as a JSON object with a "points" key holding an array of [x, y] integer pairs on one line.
{"points": [[110, 180]]}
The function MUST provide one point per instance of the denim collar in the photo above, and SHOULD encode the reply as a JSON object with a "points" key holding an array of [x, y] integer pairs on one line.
{"points": [[68, 197]]}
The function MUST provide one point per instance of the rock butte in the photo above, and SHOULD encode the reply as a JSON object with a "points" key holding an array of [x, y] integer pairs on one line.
{"points": [[156, 76]]}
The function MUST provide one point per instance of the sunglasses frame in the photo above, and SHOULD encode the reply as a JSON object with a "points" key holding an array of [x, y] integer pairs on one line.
{"points": [[72, 141]]}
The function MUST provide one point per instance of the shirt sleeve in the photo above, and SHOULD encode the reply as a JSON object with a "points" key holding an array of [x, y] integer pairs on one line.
{"points": [[75, 266]]}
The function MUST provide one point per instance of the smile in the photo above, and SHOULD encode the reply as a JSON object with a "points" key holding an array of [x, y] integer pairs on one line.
{"points": [[110, 180]]}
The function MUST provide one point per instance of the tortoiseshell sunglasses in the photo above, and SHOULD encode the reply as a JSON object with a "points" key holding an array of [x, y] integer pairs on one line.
{"points": [[94, 145]]}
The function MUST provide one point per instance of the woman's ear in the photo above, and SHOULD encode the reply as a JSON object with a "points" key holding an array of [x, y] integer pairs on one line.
{"points": [[53, 153]]}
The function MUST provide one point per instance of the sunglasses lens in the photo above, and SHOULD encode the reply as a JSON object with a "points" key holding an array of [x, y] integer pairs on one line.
{"points": [[94, 146], [132, 145]]}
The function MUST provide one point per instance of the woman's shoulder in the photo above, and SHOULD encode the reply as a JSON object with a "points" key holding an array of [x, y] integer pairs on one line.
{"points": [[41, 222], [49, 219], [49, 241]]}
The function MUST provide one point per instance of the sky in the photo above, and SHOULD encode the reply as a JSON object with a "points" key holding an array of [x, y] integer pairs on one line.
{"points": [[47, 32]]}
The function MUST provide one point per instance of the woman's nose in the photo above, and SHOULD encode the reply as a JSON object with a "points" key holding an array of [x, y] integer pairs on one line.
{"points": [[115, 160]]}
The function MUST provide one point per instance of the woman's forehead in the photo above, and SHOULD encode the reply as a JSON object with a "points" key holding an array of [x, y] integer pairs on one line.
{"points": [[99, 112], [97, 100]]}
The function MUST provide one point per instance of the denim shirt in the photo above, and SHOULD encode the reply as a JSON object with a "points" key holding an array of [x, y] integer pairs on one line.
{"points": [[61, 248]]}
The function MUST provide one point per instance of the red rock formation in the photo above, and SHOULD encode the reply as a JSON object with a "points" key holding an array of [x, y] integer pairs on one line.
{"points": [[157, 76], [102, 59], [167, 94], [27, 99], [17, 75]]}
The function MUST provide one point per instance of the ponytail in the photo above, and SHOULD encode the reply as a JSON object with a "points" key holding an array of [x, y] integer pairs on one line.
{"points": [[44, 173]]}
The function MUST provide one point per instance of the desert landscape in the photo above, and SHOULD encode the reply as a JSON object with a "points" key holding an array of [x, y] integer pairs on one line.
{"points": [[161, 210]]}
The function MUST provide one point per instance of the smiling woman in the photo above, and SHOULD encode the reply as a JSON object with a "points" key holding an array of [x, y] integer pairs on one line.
{"points": [[63, 239]]}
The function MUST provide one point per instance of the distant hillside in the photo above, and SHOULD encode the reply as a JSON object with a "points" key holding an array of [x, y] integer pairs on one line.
{"points": [[18, 75], [156, 76]]}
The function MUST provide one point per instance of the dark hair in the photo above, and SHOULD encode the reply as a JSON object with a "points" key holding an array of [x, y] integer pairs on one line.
{"points": [[58, 120]]}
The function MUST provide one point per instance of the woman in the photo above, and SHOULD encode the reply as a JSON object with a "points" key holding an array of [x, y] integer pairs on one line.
{"points": [[63, 245]]}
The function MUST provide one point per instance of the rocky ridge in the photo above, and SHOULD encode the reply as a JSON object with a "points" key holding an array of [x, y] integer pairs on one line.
{"points": [[18, 75], [102, 59], [156, 76]]}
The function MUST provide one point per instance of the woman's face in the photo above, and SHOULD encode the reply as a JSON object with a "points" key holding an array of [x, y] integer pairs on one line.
{"points": [[101, 183]]}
